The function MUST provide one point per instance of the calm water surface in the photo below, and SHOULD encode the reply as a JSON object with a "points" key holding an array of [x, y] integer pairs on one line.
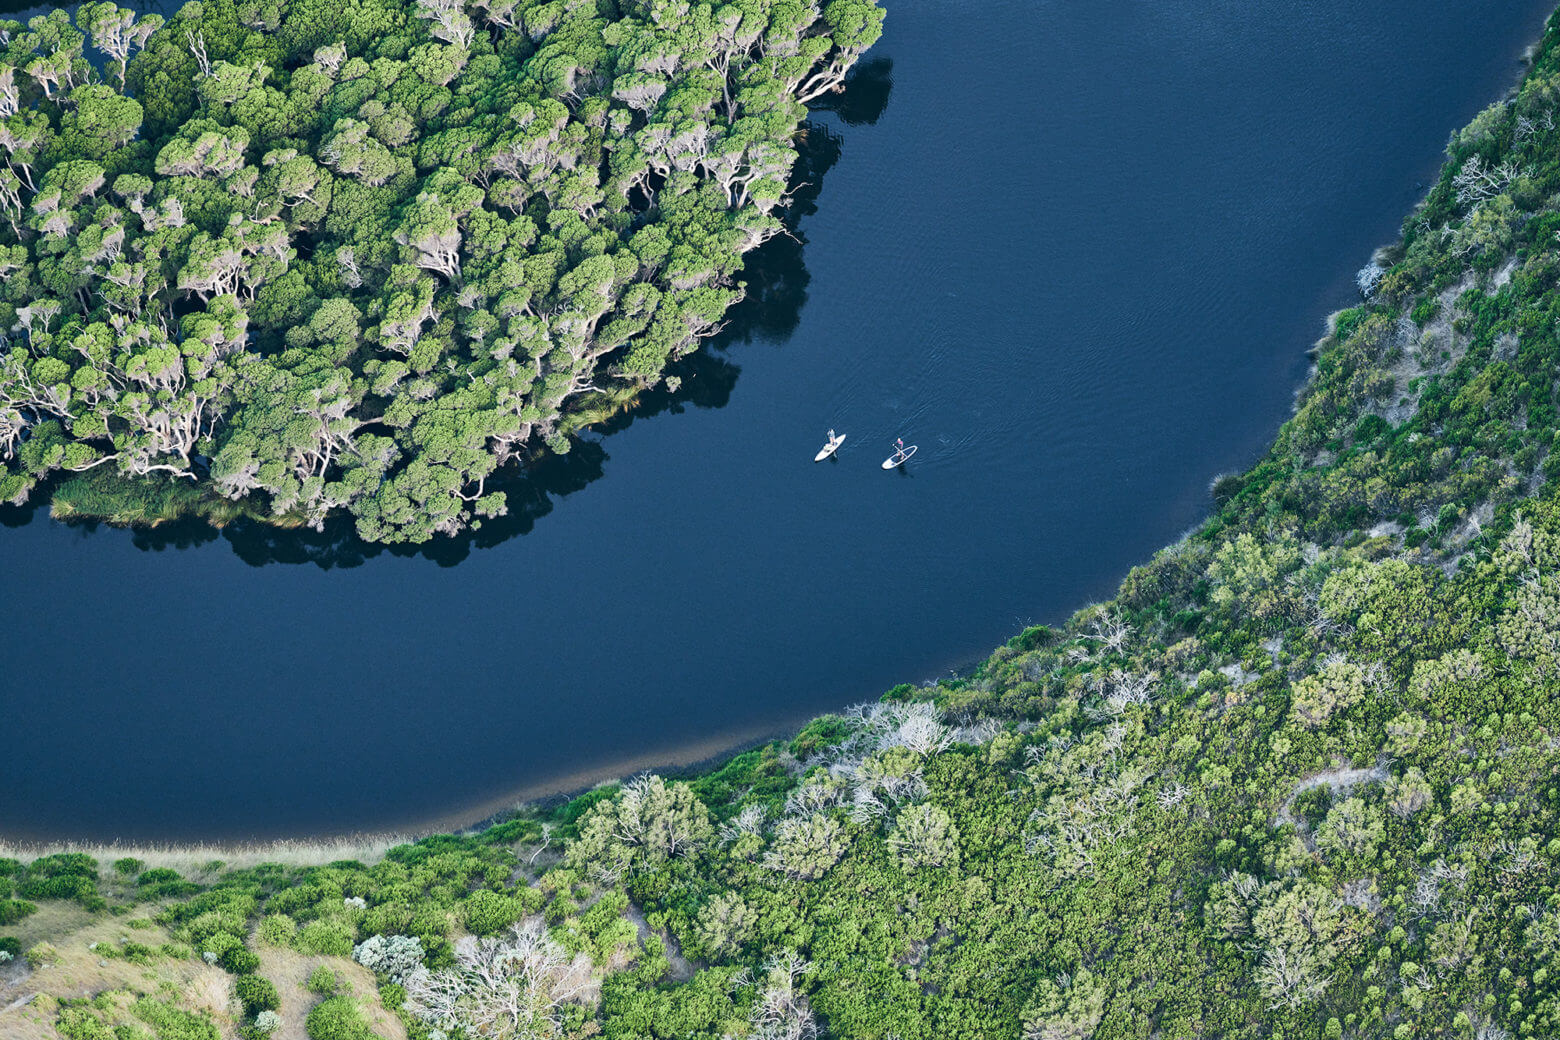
{"points": [[1075, 251]]}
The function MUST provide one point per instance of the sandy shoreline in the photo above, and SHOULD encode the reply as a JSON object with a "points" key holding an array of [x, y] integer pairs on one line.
{"points": [[370, 846]]}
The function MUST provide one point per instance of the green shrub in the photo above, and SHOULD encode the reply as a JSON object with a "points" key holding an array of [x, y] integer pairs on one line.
{"points": [[438, 953], [219, 943], [487, 913], [326, 938], [1032, 638], [240, 960], [1312, 805], [173, 1024], [1370, 428], [13, 910], [323, 980], [129, 867], [162, 883], [68, 886], [388, 919], [338, 1018], [63, 863], [67, 875], [139, 953], [819, 733], [257, 994], [80, 1023], [277, 930]]}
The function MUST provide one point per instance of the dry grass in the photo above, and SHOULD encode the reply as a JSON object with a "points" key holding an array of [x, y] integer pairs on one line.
{"points": [[53, 920], [290, 970], [191, 860], [28, 999]]}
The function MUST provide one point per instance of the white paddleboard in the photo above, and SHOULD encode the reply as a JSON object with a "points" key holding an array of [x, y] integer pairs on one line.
{"points": [[829, 449], [898, 458]]}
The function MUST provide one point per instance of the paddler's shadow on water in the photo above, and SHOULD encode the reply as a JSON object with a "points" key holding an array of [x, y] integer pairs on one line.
{"points": [[776, 280]]}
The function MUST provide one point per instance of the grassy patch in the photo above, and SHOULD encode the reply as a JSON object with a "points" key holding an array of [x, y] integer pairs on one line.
{"points": [[102, 495], [54, 920]]}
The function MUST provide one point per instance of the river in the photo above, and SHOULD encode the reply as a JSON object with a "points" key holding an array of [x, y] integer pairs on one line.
{"points": [[1073, 251]]}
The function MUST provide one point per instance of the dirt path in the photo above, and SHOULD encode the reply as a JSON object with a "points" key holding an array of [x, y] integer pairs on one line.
{"points": [[682, 969], [1338, 778]]}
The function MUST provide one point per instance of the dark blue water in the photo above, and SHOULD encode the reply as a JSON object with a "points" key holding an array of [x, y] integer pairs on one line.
{"points": [[1077, 258]]}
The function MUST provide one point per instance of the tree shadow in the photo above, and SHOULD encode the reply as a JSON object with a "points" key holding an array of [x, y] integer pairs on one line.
{"points": [[865, 96], [776, 280]]}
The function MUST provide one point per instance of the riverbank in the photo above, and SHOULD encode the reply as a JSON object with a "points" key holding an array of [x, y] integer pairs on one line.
{"points": [[707, 756]]}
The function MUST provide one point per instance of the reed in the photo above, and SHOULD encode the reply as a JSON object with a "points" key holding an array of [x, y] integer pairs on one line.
{"points": [[193, 859]]}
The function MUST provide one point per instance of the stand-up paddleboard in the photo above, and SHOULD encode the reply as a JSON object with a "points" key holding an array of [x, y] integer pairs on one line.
{"points": [[898, 458], [830, 448]]}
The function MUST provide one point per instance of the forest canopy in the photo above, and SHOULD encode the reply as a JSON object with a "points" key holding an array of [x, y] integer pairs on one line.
{"points": [[323, 255]]}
